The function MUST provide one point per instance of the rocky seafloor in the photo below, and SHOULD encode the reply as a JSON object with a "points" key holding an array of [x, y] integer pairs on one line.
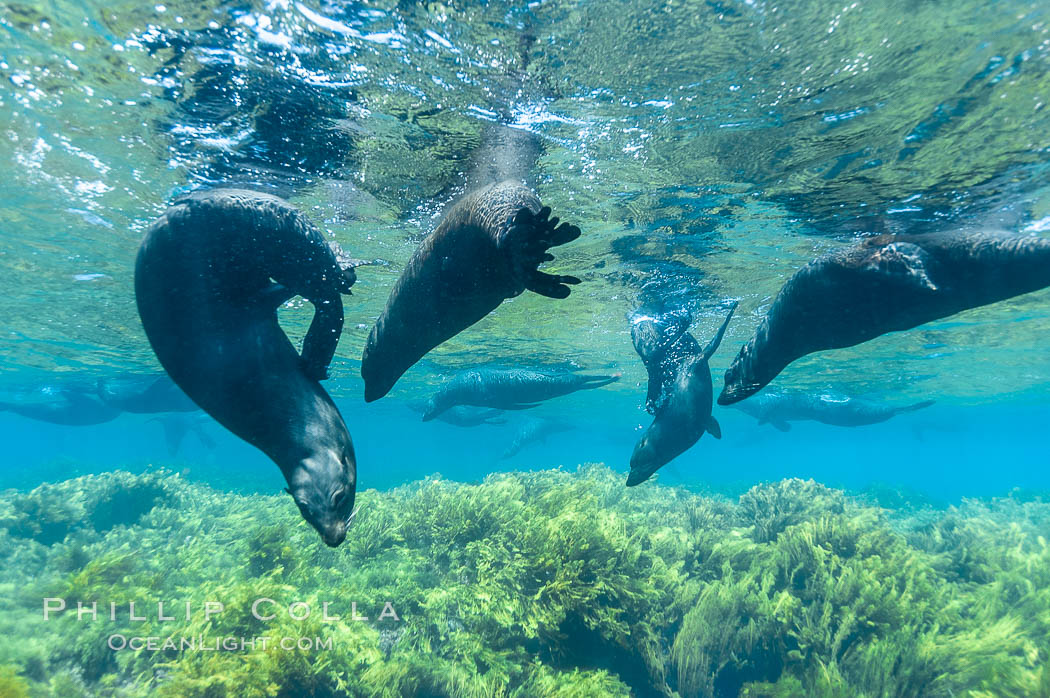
{"points": [[532, 584]]}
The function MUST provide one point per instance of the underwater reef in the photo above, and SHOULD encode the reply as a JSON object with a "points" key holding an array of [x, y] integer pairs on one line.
{"points": [[548, 583]]}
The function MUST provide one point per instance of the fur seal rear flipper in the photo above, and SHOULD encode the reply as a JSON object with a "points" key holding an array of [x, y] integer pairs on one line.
{"points": [[660, 340], [884, 284], [486, 249], [209, 277]]}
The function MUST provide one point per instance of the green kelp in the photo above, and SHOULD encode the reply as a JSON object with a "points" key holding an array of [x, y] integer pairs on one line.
{"points": [[526, 584]]}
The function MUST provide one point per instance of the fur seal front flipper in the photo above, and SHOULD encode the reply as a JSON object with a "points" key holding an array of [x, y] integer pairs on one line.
{"points": [[486, 249], [209, 277], [886, 283]]}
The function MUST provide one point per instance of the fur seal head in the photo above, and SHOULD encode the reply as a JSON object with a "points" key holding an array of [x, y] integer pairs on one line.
{"points": [[647, 458], [324, 487], [741, 378]]}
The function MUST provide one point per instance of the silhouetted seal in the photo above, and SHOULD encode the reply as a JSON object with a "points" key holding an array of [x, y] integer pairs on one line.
{"points": [[209, 277], [177, 426], [144, 394], [534, 431], [508, 388], [683, 412], [884, 284], [486, 249], [464, 415], [778, 409], [56, 404]]}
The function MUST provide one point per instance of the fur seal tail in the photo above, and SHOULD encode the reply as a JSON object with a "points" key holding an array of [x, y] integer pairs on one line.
{"points": [[912, 408], [712, 346]]}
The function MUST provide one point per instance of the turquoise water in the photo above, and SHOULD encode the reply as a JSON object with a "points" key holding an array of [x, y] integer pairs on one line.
{"points": [[706, 149]]}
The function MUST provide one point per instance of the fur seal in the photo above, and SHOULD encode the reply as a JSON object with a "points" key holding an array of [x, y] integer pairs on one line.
{"points": [[884, 284], [464, 415], [534, 431], [177, 426], [147, 394], [209, 277], [486, 249], [778, 409], [60, 405], [661, 340], [683, 408], [508, 388]]}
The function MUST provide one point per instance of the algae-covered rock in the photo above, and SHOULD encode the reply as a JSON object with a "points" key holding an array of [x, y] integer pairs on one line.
{"points": [[11, 684], [773, 507], [95, 503], [528, 585]]}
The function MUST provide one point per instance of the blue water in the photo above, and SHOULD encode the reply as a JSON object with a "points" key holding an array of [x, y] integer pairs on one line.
{"points": [[707, 152], [944, 453]]}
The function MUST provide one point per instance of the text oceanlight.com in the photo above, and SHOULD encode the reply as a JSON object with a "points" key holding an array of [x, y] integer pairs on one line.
{"points": [[201, 643]]}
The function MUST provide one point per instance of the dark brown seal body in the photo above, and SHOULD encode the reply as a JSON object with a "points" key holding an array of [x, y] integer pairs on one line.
{"points": [[884, 284], [486, 249], [56, 404], [509, 388], [205, 285], [682, 408], [779, 409]]}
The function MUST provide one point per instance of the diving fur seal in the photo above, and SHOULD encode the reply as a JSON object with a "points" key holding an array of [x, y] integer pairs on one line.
{"points": [[660, 338], [508, 388], [210, 275], [485, 249], [683, 409], [884, 284], [779, 409]]}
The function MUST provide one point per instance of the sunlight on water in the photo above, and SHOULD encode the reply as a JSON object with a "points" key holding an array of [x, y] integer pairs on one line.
{"points": [[700, 170]]}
